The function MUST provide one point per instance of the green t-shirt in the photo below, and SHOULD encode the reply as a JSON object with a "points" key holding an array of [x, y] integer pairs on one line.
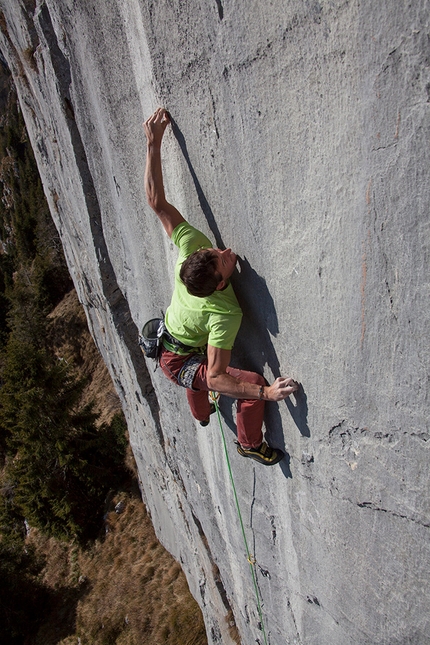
{"points": [[194, 321]]}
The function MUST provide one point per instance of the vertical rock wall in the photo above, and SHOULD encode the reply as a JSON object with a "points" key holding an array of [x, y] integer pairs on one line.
{"points": [[300, 139]]}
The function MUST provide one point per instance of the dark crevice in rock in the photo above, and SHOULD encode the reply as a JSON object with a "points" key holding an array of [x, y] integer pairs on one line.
{"points": [[274, 531], [31, 30], [216, 572], [293, 618], [424, 436], [343, 433], [116, 300], [220, 9], [177, 478], [372, 506], [313, 600]]}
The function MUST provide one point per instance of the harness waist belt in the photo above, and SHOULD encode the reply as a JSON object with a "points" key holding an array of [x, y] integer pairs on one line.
{"points": [[174, 345]]}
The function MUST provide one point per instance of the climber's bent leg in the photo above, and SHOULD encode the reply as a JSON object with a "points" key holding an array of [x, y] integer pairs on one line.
{"points": [[199, 404], [250, 412], [171, 364]]}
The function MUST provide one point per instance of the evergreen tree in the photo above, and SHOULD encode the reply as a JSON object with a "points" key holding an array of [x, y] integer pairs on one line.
{"points": [[57, 464], [60, 466]]}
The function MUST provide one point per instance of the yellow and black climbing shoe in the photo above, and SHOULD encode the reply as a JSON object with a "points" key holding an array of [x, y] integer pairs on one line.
{"points": [[206, 421], [264, 454]]}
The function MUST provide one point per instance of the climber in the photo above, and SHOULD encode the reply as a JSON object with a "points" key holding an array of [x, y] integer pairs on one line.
{"points": [[204, 317]]}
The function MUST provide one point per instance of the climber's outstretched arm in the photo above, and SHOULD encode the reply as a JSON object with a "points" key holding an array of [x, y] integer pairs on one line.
{"points": [[154, 128]]}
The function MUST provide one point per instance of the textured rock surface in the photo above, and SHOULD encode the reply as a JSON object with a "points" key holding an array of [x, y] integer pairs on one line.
{"points": [[301, 140]]}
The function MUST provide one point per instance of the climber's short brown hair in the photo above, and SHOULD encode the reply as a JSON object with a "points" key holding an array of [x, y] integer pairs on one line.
{"points": [[199, 273]]}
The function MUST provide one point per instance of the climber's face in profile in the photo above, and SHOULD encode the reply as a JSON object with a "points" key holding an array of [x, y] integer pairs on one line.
{"points": [[226, 262]]}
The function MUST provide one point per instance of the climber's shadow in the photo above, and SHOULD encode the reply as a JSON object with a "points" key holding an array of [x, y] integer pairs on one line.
{"points": [[204, 204], [253, 347], [299, 410]]}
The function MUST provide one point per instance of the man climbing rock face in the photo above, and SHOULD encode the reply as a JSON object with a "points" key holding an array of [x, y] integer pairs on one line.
{"points": [[204, 317]]}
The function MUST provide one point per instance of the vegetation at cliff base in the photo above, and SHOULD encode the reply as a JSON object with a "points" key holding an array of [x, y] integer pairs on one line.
{"points": [[58, 462], [79, 561]]}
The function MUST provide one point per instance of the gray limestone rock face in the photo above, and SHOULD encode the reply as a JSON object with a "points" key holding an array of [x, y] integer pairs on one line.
{"points": [[300, 139]]}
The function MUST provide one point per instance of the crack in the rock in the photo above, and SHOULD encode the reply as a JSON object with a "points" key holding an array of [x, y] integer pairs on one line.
{"points": [[369, 505], [293, 618], [374, 507], [220, 9], [386, 147], [216, 572]]}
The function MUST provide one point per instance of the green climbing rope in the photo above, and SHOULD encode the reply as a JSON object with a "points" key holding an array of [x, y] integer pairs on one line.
{"points": [[251, 560]]}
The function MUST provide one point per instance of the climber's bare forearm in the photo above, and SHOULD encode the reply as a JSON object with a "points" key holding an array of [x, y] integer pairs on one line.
{"points": [[169, 216], [220, 381]]}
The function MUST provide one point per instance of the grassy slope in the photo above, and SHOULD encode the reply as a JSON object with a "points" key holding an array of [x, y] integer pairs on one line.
{"points": [[126, 589]]}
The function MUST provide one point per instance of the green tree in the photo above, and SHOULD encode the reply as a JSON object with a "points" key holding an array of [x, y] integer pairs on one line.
{"points": [[60, 465], [57, 464]]}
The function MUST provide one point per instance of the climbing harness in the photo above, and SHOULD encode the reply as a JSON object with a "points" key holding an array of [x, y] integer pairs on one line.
{"points": [[214, 396], [189, 369], [154, 334]]}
